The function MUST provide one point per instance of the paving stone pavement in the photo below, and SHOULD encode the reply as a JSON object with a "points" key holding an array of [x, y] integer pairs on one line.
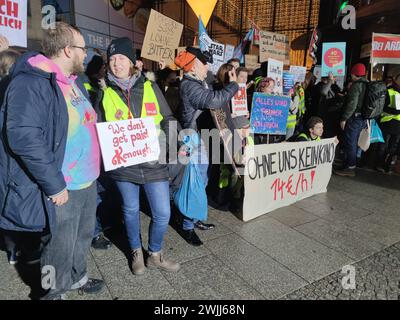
{"points": [[296, 252]]}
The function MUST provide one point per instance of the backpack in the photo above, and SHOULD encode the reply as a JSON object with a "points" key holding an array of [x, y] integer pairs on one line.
{"points": [[374, 100]]}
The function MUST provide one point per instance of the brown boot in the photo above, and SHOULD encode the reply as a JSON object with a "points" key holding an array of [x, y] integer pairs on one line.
{"points": [[138, 267], [156, 260]]}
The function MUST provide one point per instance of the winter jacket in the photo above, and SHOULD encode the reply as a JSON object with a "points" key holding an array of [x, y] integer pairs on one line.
{"points": [[195, 96], [354, 99], [34, 126], [145, 172]]}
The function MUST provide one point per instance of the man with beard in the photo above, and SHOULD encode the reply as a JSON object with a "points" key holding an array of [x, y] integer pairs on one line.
{"points": [[49, 159]]}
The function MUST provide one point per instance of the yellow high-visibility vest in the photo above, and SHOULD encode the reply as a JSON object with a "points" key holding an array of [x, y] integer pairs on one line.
{"points": [[303, 135], [385, 117], [116, 109], [88, 86], [302, 101]]}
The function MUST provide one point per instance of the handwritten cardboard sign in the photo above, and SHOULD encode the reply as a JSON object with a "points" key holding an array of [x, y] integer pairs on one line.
{"points": [[13, 22], [128, 142], [275, 46], [269, 114], [299, 73], [239, 102], [162, 38], [277, 175]]}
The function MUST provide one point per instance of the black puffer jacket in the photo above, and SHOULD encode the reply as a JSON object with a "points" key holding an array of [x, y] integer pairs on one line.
{"points": [[195, 96], [150, 171]]}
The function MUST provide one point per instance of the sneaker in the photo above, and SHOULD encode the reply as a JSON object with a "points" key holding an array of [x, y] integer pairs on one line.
{"points": [[92, 286], [101, 243], [345, 172], [12, 257], [137, 264], [156, 260]]}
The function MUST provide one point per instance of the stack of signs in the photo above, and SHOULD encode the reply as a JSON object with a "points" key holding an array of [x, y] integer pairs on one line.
{"points": [[216, 49], [299, 73], [275, 70], [13, 22], [228, 52], [275, 46], [162, 38], [239, 102], [251, 62], [288, 83], [269, 114], [333, 58]]}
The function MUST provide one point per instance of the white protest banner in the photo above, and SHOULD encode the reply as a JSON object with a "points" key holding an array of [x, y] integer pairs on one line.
{"points": [[277, 175], [275, 71], [239, 102], [299, 73], [228, 52], [251, 62], [128, 142], [275, 46], [13, 21], [162, 38]]}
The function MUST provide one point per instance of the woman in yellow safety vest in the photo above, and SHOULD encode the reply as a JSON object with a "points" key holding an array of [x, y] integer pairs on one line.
{"points": [[390, 125], [127, 95]]}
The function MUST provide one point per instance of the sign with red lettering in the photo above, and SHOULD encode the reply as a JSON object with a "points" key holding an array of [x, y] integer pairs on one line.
{"points": [[277, 175], [239, 102], [13, 17], [128, 142], [385, 48]]}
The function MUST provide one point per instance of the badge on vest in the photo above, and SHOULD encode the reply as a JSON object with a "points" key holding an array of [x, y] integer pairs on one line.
{"points": [[151, 109]]}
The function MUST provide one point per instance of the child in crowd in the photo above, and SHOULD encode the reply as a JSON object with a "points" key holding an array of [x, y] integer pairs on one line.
{"points": [[314, 130]]}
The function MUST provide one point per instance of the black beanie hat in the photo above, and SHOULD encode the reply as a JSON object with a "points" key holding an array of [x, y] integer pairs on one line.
{"points": [[121, 46]]}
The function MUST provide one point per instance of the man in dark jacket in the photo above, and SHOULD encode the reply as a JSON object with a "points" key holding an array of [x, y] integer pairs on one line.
{"points": [[351, 120], [195, 98], [50, 159]]}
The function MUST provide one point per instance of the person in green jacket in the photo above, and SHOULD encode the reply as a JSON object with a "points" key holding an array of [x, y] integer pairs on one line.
{"points": [[351, 120]]}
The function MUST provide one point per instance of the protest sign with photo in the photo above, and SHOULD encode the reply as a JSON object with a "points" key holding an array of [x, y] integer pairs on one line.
{"points": [[216, 49], [385, 48], [251, 62], [269, 114], [275, 71], [288, 83], [333, 58], [277, 175], [239, 102], [299, 73], [13, 22], [275, 46], [128, 142], [162, 38], [228, 52]]}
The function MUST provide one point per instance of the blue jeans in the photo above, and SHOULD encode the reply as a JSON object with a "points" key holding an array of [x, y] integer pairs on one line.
{"points": [[200, 157], [105, 197], [69, 246], [158, 197], [352, 131]]}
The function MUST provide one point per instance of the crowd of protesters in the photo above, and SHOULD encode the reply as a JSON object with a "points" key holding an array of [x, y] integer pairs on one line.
{"points": [[56, 199]]}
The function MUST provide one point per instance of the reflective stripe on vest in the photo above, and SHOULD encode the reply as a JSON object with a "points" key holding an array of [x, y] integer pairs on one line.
{"points": [[88, 86], [250, 141], [116, 109], [303, 135], [385, 117], [291, 121]]}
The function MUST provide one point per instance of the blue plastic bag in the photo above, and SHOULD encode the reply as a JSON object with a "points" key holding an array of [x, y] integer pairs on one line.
{"points": [[376, 133], [191, 197]]}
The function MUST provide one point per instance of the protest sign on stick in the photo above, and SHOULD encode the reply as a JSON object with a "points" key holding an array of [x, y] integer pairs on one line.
{"points": [[13, 22], [275, 46], [239, 102]]}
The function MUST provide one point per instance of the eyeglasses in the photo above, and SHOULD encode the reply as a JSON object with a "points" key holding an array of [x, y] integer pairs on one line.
{"points": [[82, 48]]}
